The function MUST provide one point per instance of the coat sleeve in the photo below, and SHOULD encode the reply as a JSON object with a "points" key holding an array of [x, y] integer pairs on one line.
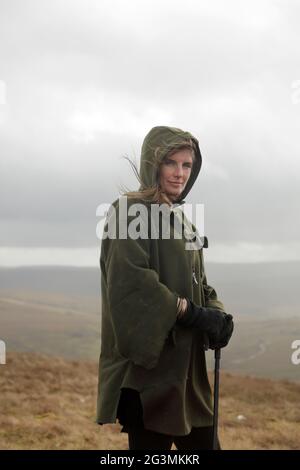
{"points": [[142, 309]]}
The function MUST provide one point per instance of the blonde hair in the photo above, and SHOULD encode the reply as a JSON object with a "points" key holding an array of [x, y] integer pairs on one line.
{"points": [[154, 193]]}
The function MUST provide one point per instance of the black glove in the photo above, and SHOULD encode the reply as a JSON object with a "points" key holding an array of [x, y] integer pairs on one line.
{"points": [[209, 320], [216, 342]]}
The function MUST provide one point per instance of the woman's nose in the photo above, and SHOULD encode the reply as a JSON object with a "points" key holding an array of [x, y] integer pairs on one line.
{"points": [[178, 171]]}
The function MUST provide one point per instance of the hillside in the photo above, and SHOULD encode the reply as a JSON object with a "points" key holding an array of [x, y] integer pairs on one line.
{"points": [[69, 326], [66, 326], [255, 289], [48, 402]]}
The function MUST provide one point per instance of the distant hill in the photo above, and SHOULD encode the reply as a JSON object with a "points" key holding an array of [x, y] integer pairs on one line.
{"points": [[57, 311], [82, 282], [68, 326], [47, 402], [258, 289]]}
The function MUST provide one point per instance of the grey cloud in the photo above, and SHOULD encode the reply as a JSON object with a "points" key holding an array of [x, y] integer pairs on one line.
{"points": [[223, 74]]}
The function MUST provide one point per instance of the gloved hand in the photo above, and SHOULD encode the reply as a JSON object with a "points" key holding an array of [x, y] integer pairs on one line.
{"points": [[216, 342], [207, 319]]}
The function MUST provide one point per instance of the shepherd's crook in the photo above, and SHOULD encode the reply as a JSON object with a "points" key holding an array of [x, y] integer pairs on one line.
{"points": [[216, 399], [216, 392]]}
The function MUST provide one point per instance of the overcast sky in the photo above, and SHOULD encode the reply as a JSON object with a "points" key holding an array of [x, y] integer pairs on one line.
{"points": [[83, 81]]}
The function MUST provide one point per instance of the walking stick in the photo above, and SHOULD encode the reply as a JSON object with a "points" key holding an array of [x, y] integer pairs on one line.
{"points": [[216, 399], [216, 392]]}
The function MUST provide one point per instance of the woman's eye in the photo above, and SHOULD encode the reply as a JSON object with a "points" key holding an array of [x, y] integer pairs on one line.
{"points": [[171, 162]]}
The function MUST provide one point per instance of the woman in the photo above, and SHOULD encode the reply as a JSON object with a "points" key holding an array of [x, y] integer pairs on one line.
{"points": [[157, 308]]}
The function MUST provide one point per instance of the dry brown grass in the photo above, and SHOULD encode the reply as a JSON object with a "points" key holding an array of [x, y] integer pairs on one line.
{"points": [[49, 403]]}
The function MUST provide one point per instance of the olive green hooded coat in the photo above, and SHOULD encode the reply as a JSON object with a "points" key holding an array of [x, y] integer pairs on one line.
{"points": [[142, 347]]}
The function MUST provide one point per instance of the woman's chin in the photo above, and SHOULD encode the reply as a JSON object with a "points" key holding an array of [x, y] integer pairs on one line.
{"points": [[173, 196]]}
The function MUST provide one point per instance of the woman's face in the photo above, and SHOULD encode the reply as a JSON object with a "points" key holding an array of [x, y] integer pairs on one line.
{"points": [[175, 171]]}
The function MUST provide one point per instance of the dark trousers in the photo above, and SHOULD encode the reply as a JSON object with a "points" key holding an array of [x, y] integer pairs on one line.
{"points": [[130, 414]]}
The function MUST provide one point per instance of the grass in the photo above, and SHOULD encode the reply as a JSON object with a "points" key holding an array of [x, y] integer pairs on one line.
{"points": [[48, 402]]}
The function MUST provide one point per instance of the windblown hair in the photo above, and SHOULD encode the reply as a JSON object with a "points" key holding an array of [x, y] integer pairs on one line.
{"points": [[154, 193]]}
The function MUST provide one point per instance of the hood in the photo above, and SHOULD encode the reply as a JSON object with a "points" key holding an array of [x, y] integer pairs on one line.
{"points": [[165, 137]]}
